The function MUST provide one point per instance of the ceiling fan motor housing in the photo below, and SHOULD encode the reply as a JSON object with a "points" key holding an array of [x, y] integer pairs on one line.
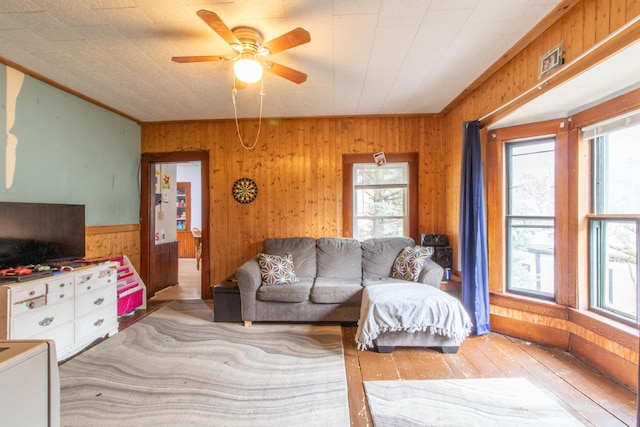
{"points": [[251, 41]]}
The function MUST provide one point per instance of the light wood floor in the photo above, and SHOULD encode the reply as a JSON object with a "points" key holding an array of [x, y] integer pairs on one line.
{"points": [[591, 397], [189, 285]]}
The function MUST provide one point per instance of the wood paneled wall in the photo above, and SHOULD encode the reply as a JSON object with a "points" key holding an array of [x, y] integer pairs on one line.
{"points": [[113, 241], [581, 28], [297, 166], [585, 24]]}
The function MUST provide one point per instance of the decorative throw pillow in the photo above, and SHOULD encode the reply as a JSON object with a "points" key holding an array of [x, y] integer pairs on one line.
{"points": [[409, 262], [276, 270]]}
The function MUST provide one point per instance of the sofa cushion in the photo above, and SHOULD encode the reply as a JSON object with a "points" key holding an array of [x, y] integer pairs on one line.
{"points": [[408, 264], [339, 257], [336, 291], [293, 292], [378, 255], [372, 281], [276, 269], [431, 273], [303, 250]]}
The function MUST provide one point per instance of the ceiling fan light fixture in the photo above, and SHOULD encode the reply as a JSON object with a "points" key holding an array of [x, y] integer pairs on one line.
{"points": [[247, 69]]}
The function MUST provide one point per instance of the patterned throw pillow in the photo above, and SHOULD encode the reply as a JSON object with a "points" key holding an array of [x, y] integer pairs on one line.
{"points": [[409, 262], [276, 270]]}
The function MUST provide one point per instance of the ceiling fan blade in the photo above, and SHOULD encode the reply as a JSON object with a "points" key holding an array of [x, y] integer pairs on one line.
{"points": [[188, 59], [286, 72], [293, 38], [217, 25]]}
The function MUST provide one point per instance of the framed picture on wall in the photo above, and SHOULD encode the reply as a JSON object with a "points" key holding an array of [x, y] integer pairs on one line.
{"points": [[380, 159], [551, 60]]}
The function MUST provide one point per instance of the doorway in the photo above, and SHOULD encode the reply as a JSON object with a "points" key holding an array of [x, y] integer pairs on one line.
{"points": [[160, 261]]}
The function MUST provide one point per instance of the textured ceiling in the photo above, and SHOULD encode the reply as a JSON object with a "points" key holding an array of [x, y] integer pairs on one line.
{"points": [[365, 56]]}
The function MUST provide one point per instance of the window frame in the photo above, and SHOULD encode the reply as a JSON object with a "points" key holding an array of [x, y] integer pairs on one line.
{"points": [[400, 186], [565, 244], [509, 218], [597, 274], [597, 224], [348, 160]]}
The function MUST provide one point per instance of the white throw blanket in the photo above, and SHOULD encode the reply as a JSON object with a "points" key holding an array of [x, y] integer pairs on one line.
{"points": [[411, 308]]}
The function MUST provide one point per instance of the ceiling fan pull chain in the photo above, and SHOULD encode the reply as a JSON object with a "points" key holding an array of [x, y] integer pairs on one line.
{"points": [[235, 112]]}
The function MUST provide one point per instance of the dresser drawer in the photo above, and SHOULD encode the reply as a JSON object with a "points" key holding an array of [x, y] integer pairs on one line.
{"points": [[59, 296], [87, 282], [26, 292], [39, 322], [97, 323], [60, 284], [62, 335], [91, 301], [26, 303]]}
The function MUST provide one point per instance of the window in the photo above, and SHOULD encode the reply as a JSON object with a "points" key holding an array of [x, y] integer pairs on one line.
{"points": [[530, 220], [380, 200], [615, 220]]}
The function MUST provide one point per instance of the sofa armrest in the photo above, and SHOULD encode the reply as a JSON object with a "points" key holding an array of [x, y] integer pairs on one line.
{"points": [[431, 274], [249, 280]]}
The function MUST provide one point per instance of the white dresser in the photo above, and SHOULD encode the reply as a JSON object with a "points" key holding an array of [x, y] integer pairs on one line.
{"points": [[72, 308]]}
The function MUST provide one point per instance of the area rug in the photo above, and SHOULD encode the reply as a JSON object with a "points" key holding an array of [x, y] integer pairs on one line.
{"points": [[463, 402], [176, 367]]}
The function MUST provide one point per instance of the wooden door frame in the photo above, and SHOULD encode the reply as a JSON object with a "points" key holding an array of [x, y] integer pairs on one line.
{"points": [[147, 198]]}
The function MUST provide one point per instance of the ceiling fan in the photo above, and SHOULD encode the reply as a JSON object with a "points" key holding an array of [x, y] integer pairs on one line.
{"points": [[251, 52]]}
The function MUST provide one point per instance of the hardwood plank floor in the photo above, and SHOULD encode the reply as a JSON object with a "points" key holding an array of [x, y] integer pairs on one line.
{"points": [[188, 286], [589, 396]]}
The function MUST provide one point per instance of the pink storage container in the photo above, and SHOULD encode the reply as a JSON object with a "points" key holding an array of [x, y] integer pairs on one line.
{"points": [[126, 286], [129, 302]]}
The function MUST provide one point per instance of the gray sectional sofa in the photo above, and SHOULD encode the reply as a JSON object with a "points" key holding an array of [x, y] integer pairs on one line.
{"points": [[340, 279], [332, 273]]}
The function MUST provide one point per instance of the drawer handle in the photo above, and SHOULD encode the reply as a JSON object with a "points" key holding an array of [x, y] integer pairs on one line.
{"points": [[46, 321], [32, 293], [98, 322], [62, 285], [31, 304], [88, 287], [98, 301], [61, 296]]}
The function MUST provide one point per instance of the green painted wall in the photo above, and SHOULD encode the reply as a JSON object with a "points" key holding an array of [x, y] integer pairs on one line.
{"points": [[68, 151]]}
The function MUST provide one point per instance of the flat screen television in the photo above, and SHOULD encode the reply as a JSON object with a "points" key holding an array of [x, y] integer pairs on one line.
{"points": [[40, 233]]}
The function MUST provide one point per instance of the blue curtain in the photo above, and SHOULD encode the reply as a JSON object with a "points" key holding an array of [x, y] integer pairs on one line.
{"points": [[473, 232]]}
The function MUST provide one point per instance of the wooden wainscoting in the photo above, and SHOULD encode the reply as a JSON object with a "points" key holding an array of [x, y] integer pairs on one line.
{"points": [[112, 241], [165, 267], [609, 347]]}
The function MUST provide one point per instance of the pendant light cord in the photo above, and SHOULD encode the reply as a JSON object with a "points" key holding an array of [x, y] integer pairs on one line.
{"points": [[235, 112]]}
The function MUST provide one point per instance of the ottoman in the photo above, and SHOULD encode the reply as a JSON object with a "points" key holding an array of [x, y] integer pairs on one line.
{"points": [[411, 315], [226, 302]]}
